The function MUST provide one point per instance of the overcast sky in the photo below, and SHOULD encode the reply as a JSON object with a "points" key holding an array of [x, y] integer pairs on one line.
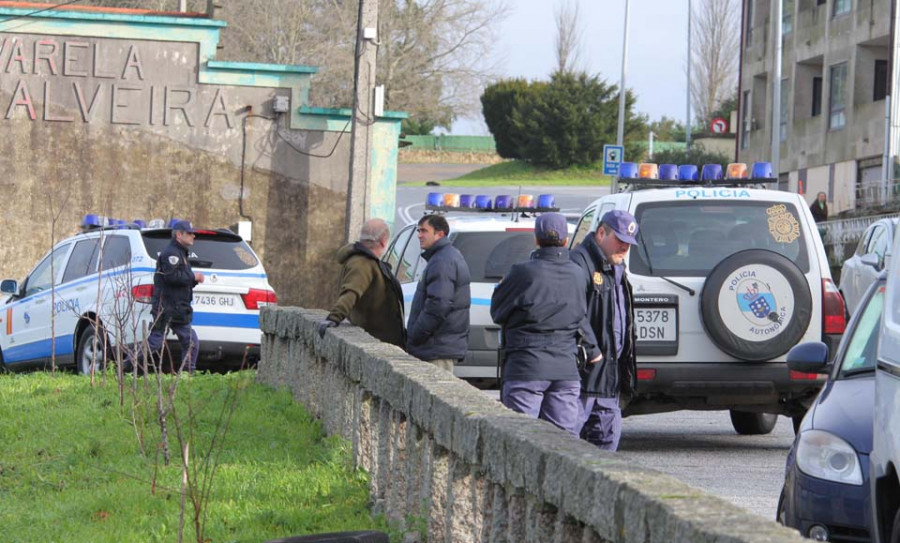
{"points": [[657, 49]]}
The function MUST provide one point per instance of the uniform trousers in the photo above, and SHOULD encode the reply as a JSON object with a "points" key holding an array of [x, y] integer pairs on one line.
{"points": [[601, 420], [554, 401]]}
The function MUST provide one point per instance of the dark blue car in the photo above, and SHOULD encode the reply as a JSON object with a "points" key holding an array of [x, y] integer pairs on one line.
{"points": [[826, 479]]}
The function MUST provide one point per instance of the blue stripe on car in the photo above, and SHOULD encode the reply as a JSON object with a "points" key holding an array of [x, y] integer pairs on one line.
{"points": [[228, 320], [39, 349]]}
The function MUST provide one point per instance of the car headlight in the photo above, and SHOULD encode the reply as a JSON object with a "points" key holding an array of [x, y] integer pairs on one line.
{"points": [[826, 456]]}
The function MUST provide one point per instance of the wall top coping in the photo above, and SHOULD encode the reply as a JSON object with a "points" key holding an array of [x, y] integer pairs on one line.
{"points": [[261, 67], [345, 112], [90, 13]]}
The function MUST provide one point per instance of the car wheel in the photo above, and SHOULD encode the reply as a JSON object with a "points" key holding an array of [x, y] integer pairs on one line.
{"points": [[90, 355], [751, 424], [756, 305], [781, 510], [895, 528]]}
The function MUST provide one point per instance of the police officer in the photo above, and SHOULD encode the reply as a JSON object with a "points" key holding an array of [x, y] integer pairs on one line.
{"points": [[610, 309], [542, 317], [173, 291]]}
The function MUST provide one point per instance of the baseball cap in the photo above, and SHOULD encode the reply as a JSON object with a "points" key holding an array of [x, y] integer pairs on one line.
{"points": [[623, 224], [184, 226], [550, 227]]}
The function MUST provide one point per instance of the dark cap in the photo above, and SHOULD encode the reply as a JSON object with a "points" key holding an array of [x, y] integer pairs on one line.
{"points": [[183, 226], [551, 227], [623, 224]]}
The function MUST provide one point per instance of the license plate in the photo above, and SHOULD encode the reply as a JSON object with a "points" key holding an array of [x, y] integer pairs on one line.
{"points": [[214, 300], [656, 324]]}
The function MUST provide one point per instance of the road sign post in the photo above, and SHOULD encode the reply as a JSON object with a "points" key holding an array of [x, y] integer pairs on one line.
{"points": [[612, 157]]}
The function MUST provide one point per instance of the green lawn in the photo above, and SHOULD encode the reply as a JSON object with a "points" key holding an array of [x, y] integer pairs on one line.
{"points": [[519, 173], [71, 468]]}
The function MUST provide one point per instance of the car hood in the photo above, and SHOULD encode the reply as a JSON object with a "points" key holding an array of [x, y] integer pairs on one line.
{"points": [[845, 408]]}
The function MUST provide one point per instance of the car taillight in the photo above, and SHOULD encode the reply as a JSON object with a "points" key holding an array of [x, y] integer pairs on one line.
{"points": [[258, 298], [833, 320], [802, 376], [646, 375], [142, 293]]}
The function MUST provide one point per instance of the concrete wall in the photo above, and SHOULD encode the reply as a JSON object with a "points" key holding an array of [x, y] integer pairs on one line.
{"points": [[453, 465], [131, 116]]}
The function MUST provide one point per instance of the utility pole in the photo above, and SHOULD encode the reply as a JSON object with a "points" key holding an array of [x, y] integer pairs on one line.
{"points": [[620, 133], [776, 92], [363, 118], [687, 119]]}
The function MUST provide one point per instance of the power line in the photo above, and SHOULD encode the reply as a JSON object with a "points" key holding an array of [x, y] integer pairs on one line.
{"points": [[42, 10]]}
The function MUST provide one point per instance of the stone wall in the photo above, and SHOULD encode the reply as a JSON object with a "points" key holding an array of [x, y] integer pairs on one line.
{"points": [[453, 465]]}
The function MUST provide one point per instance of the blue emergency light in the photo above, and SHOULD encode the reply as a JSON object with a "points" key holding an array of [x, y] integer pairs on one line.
{"points": [[484, 202], [688, 172], [91, 220], [711, 172], [546, 201], [668, 172], [762, 169], [466, 200], [140, 223], [434, 199], [628, 170], [504, 201]]}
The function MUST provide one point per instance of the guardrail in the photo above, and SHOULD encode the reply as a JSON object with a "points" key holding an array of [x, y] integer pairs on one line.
{"points": [[449, 464]]}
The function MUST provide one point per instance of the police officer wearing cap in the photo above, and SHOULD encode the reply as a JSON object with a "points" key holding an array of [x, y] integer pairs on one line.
{"points": [[542, 317], [604, 384], [173, 292]]}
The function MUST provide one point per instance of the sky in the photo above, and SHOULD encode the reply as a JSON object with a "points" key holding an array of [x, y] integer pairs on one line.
{"points": [[657, 50]]}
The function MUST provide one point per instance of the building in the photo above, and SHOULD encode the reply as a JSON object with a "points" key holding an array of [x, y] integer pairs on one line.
{"points": [[834, 96]]}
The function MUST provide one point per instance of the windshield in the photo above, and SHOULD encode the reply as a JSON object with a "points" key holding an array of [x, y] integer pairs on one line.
{"points": [[491, 254], [690, 238], [861, 351], [210, 250]]}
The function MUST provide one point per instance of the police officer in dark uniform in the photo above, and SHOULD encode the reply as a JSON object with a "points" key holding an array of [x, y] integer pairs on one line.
{"points": [[173, 292], [610, 309], [542, 317]]}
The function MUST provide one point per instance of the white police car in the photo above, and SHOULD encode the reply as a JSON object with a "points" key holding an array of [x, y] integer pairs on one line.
{"points": [[726, 279], [492, 235], [99, 284]]}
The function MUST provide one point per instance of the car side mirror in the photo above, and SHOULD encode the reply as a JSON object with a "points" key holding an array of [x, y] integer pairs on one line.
{"points": [[810, 357], [870, 259], [9, 286]]}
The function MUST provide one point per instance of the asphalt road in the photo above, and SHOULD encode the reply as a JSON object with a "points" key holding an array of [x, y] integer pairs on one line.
{"points": [[572, 200]]}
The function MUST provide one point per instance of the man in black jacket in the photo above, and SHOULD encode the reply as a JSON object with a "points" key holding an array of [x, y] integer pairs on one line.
{"points": [[610, 309], [438, 327], [173, 292], [542, 317]]}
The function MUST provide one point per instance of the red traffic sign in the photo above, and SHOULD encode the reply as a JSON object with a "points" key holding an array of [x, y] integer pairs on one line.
{"points": [[718, 126]]}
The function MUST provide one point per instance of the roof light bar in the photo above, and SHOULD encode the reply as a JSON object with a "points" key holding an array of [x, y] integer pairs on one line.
{"points": [[668, 172], [504, 203], [628, 170], [711, 172], [483, 202], [669, 175], [648, 170], [688, 172], [736, 170]]}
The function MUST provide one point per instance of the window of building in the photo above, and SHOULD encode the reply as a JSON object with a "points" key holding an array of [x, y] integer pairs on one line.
{"points": [[840, 7], [880, 89], [816, 97], [787, 17], [745, 120], [748, 31], [838, 100], [783, 114]]}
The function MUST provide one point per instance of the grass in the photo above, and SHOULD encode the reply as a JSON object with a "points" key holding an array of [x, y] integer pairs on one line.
{"points": [[520, 173], [71, 468]]}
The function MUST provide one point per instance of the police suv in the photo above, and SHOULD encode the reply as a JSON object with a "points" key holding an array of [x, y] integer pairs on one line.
{"points": [[88, 300], [492, 235], [727, 277]]}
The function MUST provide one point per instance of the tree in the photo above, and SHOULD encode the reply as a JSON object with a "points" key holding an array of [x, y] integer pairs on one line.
{"points": [[714, 58], [430, 52], [697, 155], [569, 35], [498, 103], [666, 129]]}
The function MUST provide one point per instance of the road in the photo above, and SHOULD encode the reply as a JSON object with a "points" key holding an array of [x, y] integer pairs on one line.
{"points": [[411, 200]]}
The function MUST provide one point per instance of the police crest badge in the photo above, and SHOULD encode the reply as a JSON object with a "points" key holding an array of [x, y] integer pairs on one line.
{"points": [[783, 226], [173, 260], [598, 278]]}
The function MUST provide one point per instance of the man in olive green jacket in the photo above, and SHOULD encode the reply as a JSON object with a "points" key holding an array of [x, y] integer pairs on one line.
{"points": [[370, 295]]}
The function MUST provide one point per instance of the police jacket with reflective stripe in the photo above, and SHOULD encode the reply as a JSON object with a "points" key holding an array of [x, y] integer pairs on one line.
{"points": [[541, 315], [613, 375], [173, 285], [439, 314]]}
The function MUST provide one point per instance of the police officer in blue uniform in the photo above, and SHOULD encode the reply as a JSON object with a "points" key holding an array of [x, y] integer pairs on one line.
{"points": [[542, 317], [173, 292], [610, 309]]}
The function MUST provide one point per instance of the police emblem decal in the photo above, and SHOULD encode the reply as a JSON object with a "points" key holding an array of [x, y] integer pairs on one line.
{"points": [[632, 226], [783, 226], [173, 260], [598, 278], [754, 302]]}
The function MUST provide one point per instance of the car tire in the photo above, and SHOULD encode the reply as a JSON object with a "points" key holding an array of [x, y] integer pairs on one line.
{"points": [[85, 352], [756, 305], [753, 424]]}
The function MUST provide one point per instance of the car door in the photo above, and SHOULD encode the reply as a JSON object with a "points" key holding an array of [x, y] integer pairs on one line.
{"points": [[28, 315], [865, 273], [850, 271]]}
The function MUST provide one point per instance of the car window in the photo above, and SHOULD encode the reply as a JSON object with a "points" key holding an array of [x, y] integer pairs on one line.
{"points": [[215, 250], [690, 238], [878, 245], [409, 260], [861, 351], [583, 227], [40, 278], [863, 242], [82, 256], [116, 252], [491, 254], [396, 248]]}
